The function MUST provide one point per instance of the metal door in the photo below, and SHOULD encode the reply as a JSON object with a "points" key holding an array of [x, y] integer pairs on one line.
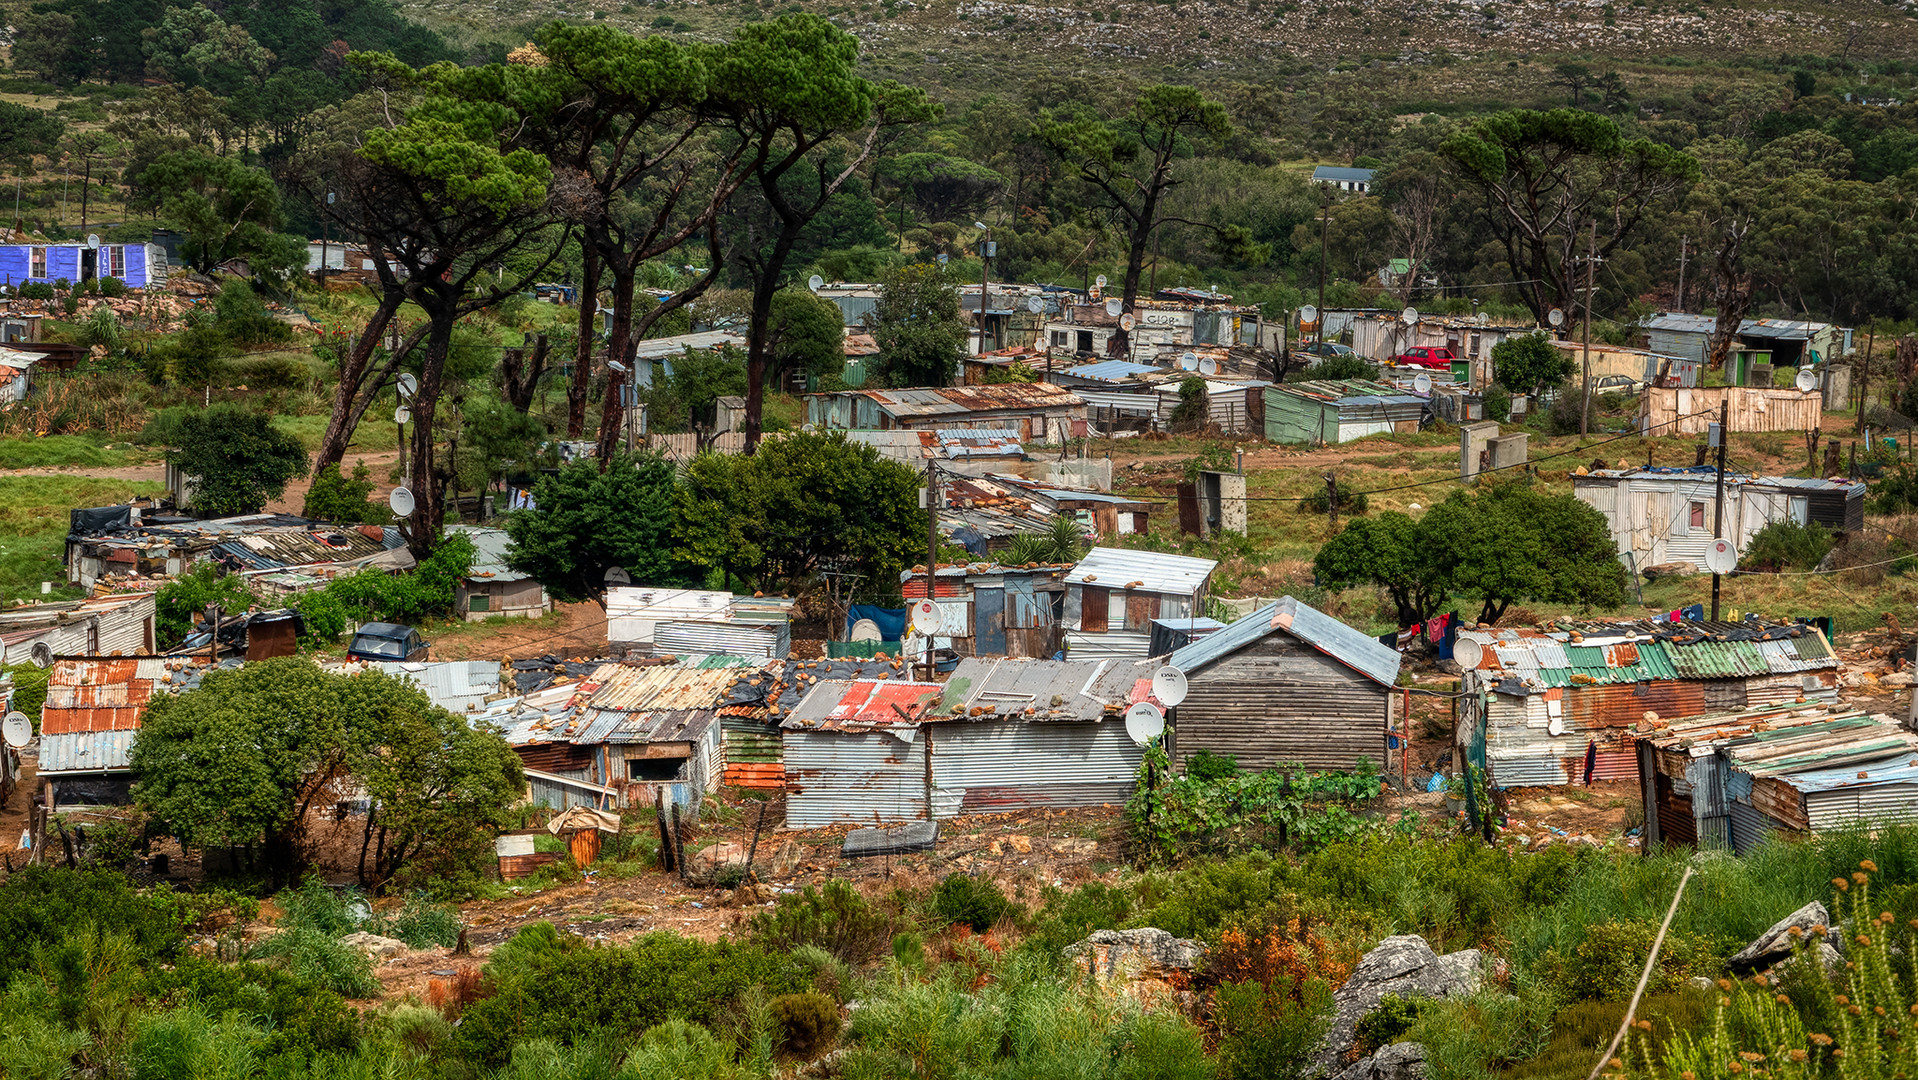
{"points": [[989, 627]]}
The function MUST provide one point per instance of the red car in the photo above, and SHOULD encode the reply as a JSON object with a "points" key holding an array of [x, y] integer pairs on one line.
{"points": [[1421, 356]]}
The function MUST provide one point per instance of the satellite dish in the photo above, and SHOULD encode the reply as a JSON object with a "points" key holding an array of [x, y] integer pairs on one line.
{"points": [[865, 630], [1144, 722], [1100, 281], [1035, 304], [1483, 318], [1114, 306], [1807, 380], [1409, 316], [1467, 654], [1422, 384], [815, 283], [925, 617], [402, 415], [16, 730], [1308, 313], [1208, 366], [408, 386], [401, 501], [1169, 686], [808, 428], [1721, 557], [1555, 317], [617, 575], [1556, 726], [41, 655], [1189, 362], [1127, 322]]}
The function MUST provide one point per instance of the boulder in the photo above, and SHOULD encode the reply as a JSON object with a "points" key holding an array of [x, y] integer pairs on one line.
{"points": [[1399, 1061], [1777, 944], [1404, 966], [779, 861], [1670, 569], [376, 948], [1146, 966], [710, 863]]}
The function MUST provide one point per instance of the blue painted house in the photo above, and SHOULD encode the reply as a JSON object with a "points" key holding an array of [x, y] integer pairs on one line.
{"points": [[139, 265]]}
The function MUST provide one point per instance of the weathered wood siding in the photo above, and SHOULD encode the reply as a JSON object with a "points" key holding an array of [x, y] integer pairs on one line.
{"points": [[1280, 702]]}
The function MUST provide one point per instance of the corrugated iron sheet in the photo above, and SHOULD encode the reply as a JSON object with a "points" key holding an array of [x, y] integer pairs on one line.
{"points": [[85, 751], [1304, 622], [1147, 571], [834, 705], [1052, 689], [458, 686], [869, 777], [999, 766], [1718, 660], [1111, 645], [772, 641]]}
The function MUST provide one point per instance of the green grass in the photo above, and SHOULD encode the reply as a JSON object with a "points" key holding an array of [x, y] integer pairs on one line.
{"points": [[33, 526], [58, 451], [376, 433]]}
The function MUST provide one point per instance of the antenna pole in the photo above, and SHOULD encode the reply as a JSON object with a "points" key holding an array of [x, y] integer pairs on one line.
{"points": [[932, 545], [1718, 504]]}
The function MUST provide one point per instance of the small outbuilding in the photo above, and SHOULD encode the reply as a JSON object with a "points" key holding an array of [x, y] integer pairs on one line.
{"points": [[493, 589], [1114, 594], [1665, 514], [1326, 412]]}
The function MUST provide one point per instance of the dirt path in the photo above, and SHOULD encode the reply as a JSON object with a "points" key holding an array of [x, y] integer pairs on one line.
{"points": [[572, 630], [15, 811]]}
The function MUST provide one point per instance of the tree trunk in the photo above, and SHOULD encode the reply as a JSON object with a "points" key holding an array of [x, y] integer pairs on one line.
{"points": [[583, 352], [429, 504], [352, 396], [764, 286], [619, 346], [522, 373], [1134, 268]]}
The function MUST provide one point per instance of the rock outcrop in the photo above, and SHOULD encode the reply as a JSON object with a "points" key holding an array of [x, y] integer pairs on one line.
{"points": [[1776, 945], [1404, 966], [1399, 1061], [1147, 966], [375, 947]]}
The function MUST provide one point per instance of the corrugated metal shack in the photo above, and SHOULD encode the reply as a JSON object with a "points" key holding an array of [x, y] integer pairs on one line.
{"points": [[137, 547], [988, 609], [1690, 411], [458, 686], [1791, 343], [92, 712], [1000, 735], [1039, 412], [1322, 411], [648, 621], [974, 451], [110, 625], [1666, 514], [1730, 780], [1286, 685], [1114, 594], [1538, 699], [985, 513], [494, 589]]}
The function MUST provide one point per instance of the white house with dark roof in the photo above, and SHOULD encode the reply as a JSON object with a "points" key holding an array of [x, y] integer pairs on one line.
{"points": [[1357, 181]]}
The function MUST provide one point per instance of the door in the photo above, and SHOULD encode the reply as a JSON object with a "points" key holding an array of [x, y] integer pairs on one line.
{"points": [[989, 625], [1093, 604], [1085, 341], [89, 264]]}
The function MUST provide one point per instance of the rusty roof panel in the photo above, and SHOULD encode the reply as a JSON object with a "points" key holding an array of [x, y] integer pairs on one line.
{"points": [[863, 705]]}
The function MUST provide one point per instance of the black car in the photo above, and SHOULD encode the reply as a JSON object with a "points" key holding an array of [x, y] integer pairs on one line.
{"points": [[387, 641], [1320, 351]]}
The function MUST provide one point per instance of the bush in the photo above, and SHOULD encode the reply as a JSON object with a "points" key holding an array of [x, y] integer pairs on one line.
{"points": [[39, 903], [241, 315], [808, 1023], [268, 372], [1562, 418], [1349, 366], [1606, 965], [834, 918], [112, 287], [1068, 917], [1206, 765], [1318, 501], [420, 923], [323, 617], [186, 596], [1787, 545], [332, 497], [36, 290], [1498, 403], [311, 955], [297, 1015], [976, 902]]}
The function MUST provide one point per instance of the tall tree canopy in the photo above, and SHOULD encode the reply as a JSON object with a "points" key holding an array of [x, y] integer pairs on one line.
{"points": [[586, 522]]}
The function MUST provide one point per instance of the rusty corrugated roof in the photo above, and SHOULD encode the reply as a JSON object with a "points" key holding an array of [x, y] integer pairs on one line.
{"points": [[864, 704]]}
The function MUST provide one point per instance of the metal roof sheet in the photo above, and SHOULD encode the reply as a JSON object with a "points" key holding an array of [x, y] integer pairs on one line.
{"points": [[668, 347], [1337, 172], [1335, 639], [490, 549], [86, 751], [1151, 571], [1718, 660], [860, 705], [1112, 371], [1041, 690]]}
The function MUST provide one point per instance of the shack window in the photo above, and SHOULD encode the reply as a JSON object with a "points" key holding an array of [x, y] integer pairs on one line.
{"points": [[1093, 609], [478, 602], [1085, 341], [654, 769], [1060, 338], [1800, 509], [38, 262], [116, 261], [1698, 515]]}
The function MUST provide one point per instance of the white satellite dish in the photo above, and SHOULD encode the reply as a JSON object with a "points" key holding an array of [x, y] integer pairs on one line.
{"points": [[1807, 380], [1555, 317], [93, 241], [1127, 322], [1208, 366], [402, 415], [1422, 384], [1114, 306], [41, 655], [1144, 722], [815, 283], [1467, 654], [1308, 313], [925, 617], [1188, 361], [1035, 304], [16, 730], [1100, 281], [401, 502], [1169, 686], [617, 575], [1721, 557], [408, 386], [865, 630], [1555, 726], [1483, 318], [1409, 316]]}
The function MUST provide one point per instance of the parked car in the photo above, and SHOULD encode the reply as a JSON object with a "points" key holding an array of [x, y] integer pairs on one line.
{"points": [[1616, 384], [1425, 356], [387, 641], [1320, 351]]}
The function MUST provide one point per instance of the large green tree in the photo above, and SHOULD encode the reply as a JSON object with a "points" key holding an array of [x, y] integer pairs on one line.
{"points": [[1525, 363], [587, 522], [917, 326], [238, 458], [227, 209], [249, 757]]}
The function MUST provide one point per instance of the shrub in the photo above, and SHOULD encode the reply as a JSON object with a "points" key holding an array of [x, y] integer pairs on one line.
{"points": [[1068, 917], [1206, 765], [420, 923], [1606, 965], [323, 616], [241, 315], [112, 287], [297, 1015], [1388, 1023], [834, 918], [1787, 545], [1270, 1032], [808, 1023], [316, 905], [1318, 501], [36, 290], [1349, 366], [333, 497], [39, 903], [976, 902], [268, 372], [1498, 403], [310, 955]]}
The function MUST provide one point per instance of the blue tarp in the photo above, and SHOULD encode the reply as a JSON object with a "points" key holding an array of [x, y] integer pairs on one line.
{"points": [[891, 621]]}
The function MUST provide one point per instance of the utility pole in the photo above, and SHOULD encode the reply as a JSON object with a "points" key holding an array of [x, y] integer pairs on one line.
{"points": [[985, 275], [932, 549], [1332, 502], [1864, 380], [1585, 395], [1718, 503], [1325, 224], [1682, 241]]}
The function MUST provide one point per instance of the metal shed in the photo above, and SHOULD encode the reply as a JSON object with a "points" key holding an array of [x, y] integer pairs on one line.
{"points": [[1339, 411], [1118, 591]]}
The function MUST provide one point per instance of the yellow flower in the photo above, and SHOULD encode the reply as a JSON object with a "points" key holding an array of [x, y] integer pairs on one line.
{"points": [[1796, 931], [1867, 864], [1751, 1057], [1734, 1068], [1724, 984], [1841, 999], [1840, 884], [1759, 979], [1864, 939], [1861, 877], [1799, 1055], [1855, 1010], [1837, 1052], [1820, 1038]]}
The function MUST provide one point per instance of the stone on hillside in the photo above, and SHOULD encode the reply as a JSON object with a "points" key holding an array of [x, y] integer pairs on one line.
{"points": [[1147, 966], [1776, 945], [1399, 1061], [376, 948], [1403, 966]]}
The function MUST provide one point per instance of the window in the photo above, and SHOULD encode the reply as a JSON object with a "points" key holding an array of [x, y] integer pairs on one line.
{"points": [[1698, 515], [1085, 341], [116, 262], [477, 602], [1800, 509], [1059, 338], [38, 258]]}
